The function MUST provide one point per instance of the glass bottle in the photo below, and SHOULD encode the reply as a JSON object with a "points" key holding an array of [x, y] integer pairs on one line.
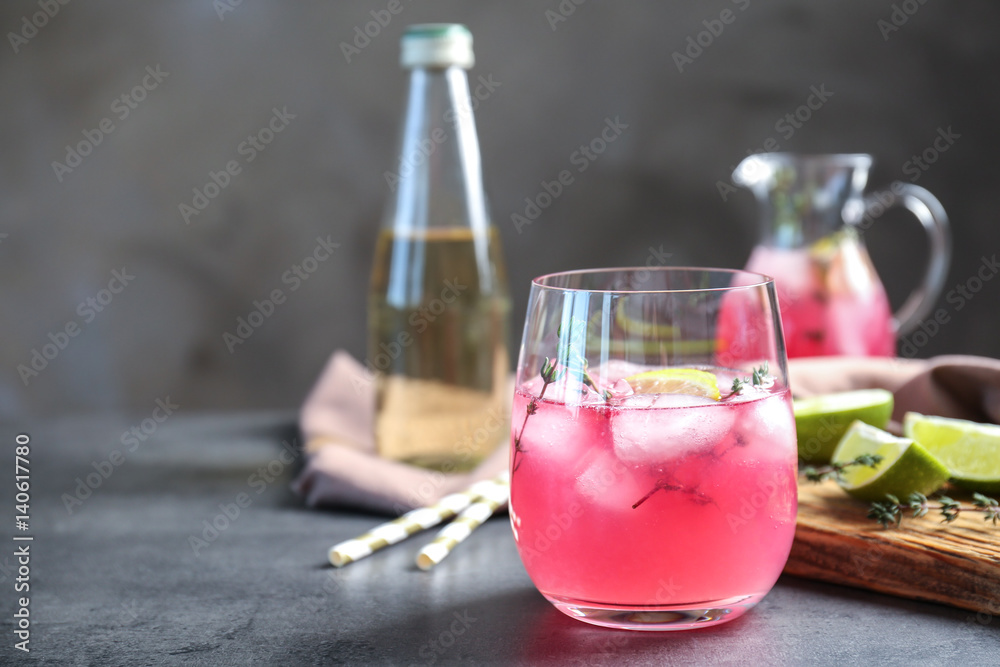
{"points": [[438, 303]]}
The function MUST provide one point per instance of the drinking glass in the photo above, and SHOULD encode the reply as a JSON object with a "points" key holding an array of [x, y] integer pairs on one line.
{"points": [[653, 456]]}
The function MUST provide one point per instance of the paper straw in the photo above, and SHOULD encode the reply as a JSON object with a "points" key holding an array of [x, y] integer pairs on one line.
{"points": [[470, 519], [399, 529]]}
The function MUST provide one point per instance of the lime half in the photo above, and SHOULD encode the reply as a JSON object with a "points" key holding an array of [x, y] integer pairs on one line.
{"points": [[906, 467], [676, 381], [821, 421], [970, 450]]}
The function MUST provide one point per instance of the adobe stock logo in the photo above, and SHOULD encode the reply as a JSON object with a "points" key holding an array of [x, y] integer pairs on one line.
{"points": [[899, 16], [295, 276], [30, 28], [563, 11], [363, 35], [122, 106], [106, 467], [223, 7], [421, 153], [581, 158], [786, 125], [698, 43], [250, 148]]}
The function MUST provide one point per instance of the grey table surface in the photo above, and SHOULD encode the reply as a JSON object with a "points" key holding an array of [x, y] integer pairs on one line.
{"points": [[116, 579]]}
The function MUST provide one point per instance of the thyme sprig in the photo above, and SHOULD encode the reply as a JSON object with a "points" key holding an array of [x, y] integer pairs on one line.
{"points": [[836, 470], [664, 485], [890, 511], [572, 360], [759, 379], [572, 350], [660, 484], [549, 373], [589, 381]]}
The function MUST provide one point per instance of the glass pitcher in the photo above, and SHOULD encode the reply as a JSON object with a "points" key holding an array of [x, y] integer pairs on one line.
{"points": [[813, 208]]}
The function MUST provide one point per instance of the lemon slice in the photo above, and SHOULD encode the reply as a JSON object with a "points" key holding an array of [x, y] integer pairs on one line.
{"points": [[676, 381], [906, 467], [969, 449], [821, 421]]}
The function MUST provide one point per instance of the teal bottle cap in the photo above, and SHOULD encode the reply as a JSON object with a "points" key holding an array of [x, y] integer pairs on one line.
{"points": [[436, 45]]}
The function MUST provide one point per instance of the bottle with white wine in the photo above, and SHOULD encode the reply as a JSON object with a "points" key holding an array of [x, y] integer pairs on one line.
{"points": [[439, 304]]}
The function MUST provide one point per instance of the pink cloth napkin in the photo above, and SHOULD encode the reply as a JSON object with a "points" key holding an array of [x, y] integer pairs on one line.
{"points": [[343, 470], [337, 423]]}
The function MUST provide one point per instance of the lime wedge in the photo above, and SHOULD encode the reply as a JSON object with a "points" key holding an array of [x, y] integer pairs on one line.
{"points": [[643, 328], [906, 467], [676, 381], [970, 450], [821, 421], [824, 248]]}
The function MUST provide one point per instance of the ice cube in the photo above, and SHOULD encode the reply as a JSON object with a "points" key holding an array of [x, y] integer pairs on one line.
{"points": [[607, 482], [568, 389], [620, 390], [557, 434], [767, 425], [532, 385], [617, 369], [673, 426], [680, 400]]}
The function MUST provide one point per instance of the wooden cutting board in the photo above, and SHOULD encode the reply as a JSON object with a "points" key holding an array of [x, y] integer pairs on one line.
{"points": [[957, 564]]}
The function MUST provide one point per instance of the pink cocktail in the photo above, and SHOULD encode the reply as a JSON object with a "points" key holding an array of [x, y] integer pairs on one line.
{"points": [[653, 449], [656, 502]]}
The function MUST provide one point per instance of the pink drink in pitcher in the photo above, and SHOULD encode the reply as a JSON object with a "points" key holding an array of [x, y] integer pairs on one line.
{"points": [[813, 209], [662, 502], [830, 298]]}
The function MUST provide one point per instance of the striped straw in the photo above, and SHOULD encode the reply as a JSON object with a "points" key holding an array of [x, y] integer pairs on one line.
{"points": [[470, 519], [413, 521]]}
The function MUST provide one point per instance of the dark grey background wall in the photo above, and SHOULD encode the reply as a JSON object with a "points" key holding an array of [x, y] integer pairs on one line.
{"points": [[222, 73]]}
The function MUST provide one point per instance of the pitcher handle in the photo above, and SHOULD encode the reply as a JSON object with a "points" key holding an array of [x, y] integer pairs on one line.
{"points": [[930, 213]]}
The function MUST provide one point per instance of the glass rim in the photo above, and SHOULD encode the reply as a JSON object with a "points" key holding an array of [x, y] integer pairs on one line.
{"points": [[760, 279], [809, 157]]}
